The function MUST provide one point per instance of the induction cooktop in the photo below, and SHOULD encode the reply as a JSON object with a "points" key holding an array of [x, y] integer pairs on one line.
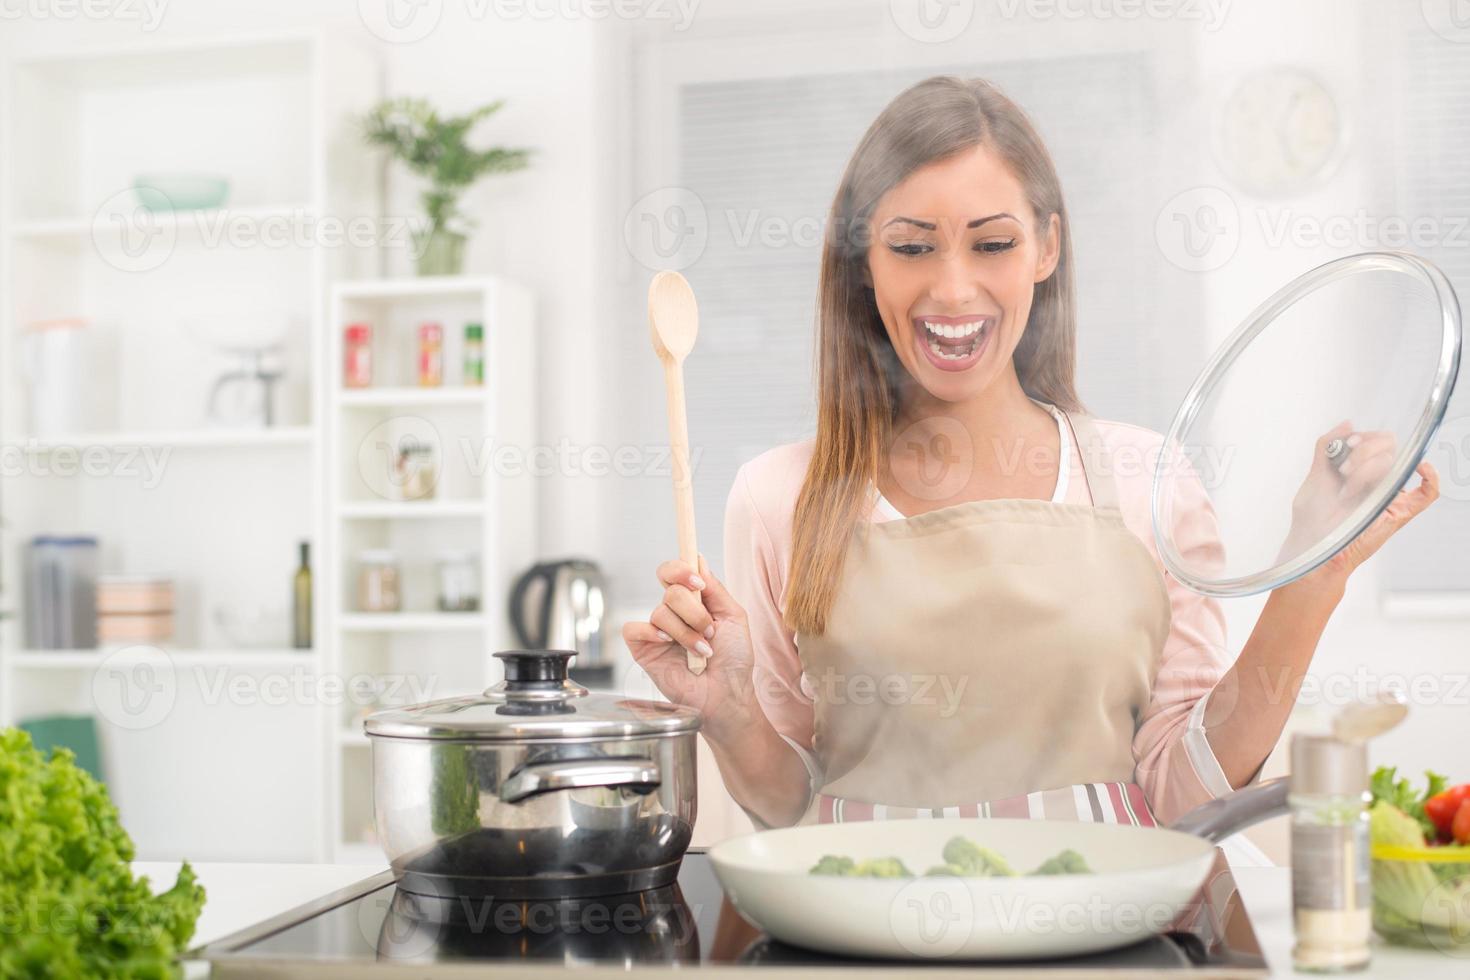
{"points": [[374, 928]]}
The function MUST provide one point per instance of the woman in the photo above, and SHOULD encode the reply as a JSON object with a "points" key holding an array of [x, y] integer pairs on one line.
{"points": [[949, 602]]}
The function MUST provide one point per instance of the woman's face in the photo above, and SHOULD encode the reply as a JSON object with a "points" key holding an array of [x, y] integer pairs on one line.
{"points": [[954, 258]]}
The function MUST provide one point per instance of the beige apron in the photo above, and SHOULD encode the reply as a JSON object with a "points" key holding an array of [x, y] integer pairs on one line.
{"points": [[990, 658]]}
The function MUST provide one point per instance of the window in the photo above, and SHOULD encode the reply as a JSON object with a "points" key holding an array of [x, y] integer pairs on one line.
{"points": [[1424, 175]]}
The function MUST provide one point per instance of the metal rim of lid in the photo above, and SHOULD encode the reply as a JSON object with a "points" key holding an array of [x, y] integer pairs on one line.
{"points": [[409, 723], [1289, 571], [537, 680]]}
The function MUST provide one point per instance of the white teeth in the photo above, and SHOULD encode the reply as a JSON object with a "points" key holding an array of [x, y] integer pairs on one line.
{"points": [[954, 331]]}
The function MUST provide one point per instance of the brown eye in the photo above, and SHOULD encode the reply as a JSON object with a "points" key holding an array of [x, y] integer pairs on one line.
{"points": [[910, 248], [996, 245]]}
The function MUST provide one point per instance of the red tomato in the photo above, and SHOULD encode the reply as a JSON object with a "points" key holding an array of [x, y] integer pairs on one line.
{"points": [[1442, 808], [1460, 827]]}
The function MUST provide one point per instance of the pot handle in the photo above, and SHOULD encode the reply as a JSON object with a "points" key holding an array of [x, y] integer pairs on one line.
{"points": [[639, 775], [1223, 816]]}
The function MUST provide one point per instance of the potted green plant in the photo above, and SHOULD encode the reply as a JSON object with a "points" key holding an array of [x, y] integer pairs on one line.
{"points": [[437, 148]]}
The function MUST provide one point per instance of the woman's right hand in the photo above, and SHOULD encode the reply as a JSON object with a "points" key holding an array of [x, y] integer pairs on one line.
{"points": [[697, 614]]}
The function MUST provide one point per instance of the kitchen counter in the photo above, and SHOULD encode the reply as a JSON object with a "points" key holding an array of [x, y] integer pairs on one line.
{"points": [[241, 895]]}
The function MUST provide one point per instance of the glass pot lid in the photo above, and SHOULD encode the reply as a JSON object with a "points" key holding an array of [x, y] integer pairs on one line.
{"points": [[1306, 423], [535, 702]]}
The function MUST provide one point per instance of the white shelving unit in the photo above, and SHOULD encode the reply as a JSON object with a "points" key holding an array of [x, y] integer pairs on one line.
{"points": [[223, 512], [420, 652], [223, 515]]}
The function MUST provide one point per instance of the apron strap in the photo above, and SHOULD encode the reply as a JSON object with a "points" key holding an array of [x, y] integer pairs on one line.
{"points": [[1090, 446]]}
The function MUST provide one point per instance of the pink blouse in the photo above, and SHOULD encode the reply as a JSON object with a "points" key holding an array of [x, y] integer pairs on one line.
{"points": [[1174, 764]]}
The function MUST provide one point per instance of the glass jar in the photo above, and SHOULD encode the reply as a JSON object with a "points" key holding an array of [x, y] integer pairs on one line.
{"points": [[415, 470], [459, 582], [378, 582]]}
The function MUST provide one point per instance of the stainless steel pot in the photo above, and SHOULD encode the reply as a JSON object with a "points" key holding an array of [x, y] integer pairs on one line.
{"points": [[537, 788]]}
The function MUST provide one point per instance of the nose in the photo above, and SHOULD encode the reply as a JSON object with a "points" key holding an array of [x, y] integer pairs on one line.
{"points": [[956, 287]]}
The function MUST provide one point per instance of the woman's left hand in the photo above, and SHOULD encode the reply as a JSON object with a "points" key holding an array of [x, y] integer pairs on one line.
{"points": [[1406, 505]]}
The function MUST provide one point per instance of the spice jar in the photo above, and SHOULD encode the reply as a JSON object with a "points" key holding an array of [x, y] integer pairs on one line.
{"points": [[378, 588], [459, 582], [431, 355], [1330, 890], [357, 356], [474, 355], [415, 470]]}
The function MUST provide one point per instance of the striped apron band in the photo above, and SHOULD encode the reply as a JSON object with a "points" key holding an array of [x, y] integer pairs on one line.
{"points": [[1121, 803]]}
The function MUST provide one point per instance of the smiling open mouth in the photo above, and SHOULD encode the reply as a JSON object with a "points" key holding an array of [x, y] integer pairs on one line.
{"points": [[952, 343]]}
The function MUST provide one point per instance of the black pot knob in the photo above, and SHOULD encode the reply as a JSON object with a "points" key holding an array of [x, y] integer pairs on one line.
{"points": [[535, 668]]}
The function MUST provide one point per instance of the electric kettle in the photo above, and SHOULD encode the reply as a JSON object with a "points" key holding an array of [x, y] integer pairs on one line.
{"points": [[558, 605]]}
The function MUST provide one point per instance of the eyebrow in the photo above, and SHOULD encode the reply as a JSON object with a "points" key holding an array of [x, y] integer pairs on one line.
{"points": [[930, 226]]}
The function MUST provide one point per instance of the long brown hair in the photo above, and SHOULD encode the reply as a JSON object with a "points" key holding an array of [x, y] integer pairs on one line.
{"points": [[858, 373]]}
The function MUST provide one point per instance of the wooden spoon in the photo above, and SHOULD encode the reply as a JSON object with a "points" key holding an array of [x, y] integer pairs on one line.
{"points": [[673, 321]]}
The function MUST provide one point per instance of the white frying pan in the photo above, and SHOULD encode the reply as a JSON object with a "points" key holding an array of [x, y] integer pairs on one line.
{"points": [[1145, 878]]}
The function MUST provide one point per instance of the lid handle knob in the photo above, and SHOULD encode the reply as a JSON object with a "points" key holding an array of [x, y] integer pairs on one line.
{"points": [[535, 667]]}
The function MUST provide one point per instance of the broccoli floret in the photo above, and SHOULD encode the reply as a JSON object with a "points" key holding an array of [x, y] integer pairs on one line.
{"points": [[1068, 862], [833, 864], [889, 867], [961, 852]]}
